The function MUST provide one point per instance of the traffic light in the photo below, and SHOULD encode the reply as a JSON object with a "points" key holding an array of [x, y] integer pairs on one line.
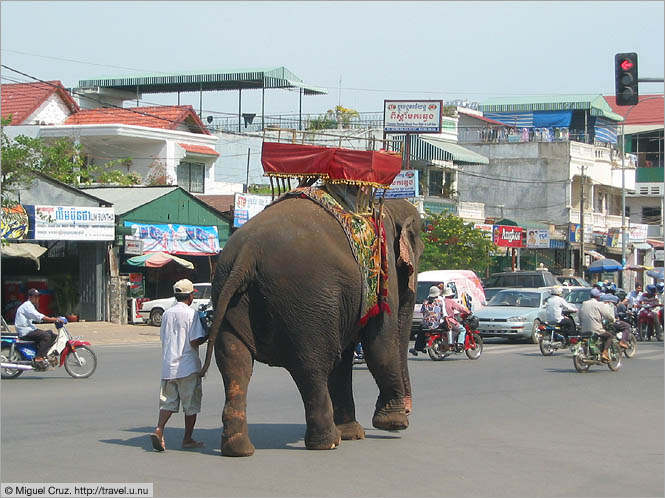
{"points": [[625, 72]]}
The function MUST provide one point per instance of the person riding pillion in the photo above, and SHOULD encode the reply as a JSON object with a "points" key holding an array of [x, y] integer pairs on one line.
{"points": [[592, 314], [554, 308], [432, 310], [453, 307]]}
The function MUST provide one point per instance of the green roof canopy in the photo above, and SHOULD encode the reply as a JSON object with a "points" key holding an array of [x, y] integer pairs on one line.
{"points": [[429, 148], [595, 103], [224, 79]]}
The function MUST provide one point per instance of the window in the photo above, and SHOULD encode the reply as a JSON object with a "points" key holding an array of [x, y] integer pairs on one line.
{"points": [[190, 176], [435, 186], [651, 215]]}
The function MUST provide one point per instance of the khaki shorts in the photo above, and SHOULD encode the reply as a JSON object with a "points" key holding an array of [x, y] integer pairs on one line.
{"points": [[187, 389]]}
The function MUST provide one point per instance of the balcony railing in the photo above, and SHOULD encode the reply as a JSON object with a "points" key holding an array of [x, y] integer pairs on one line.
{"points": [[294, 122]]}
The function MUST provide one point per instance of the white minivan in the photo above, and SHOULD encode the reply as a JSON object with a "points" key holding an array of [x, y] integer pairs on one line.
{"points": [[465, 284]]}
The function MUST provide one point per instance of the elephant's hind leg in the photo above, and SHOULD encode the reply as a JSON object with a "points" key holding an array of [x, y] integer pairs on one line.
{"points": [[340, 386], [322, 433], [235, 364]]}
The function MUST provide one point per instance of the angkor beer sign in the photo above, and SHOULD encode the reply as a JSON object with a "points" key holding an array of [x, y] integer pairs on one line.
{"points": [[412, 116], [508, 236]]}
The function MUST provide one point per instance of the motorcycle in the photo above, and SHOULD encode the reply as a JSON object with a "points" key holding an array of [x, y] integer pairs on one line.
{"points": [[631, 340], [76, 355], [438, 340], [649, 322], [550, 337], [206, 315], [587, 350], [358, 354]]}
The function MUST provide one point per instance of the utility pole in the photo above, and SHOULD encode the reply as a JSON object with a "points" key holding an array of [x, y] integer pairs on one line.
{"points": [[582, 223]]}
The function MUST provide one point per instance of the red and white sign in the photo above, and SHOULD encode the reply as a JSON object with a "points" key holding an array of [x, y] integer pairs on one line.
{"points": [[508, 236]]}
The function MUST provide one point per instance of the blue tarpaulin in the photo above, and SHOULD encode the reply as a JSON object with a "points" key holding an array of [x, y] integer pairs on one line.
{"points": [[552, 119], [605, 130]]}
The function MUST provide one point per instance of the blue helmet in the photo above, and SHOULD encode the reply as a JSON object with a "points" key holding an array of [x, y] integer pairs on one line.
{"points": [[659, 287], [610, 288], [651, 289]]}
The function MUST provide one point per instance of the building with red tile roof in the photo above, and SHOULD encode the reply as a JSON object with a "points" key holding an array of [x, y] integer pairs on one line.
{"points": [[38, 103], [648, 112], [174, 117]]}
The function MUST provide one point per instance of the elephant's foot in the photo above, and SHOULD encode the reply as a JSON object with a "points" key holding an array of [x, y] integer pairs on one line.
{"points": [[237, 445], [390, 416], [325, 441], [351, 430]]}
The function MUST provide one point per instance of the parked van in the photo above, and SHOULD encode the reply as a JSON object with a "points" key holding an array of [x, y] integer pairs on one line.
{"points": [[465, 284]]}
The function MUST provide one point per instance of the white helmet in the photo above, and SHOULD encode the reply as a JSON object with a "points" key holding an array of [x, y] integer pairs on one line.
{"points": [[557, 291]]}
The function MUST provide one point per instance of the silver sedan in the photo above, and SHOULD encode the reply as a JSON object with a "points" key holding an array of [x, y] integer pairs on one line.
{"points": [[513, 313]]}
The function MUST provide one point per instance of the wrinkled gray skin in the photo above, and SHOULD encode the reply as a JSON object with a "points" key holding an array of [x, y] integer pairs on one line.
{"points": [[287, 292]]}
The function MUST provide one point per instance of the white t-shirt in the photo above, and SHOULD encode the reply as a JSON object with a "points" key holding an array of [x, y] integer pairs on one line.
{"points": [[180, 324], [554, 306], [25, 315]]}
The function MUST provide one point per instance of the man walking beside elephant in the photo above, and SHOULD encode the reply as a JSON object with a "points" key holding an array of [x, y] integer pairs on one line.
{"points": [[181, 334]]}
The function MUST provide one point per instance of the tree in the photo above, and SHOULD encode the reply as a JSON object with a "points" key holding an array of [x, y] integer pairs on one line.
{"points": [[61, 159], [342, 115], [451, 244]]}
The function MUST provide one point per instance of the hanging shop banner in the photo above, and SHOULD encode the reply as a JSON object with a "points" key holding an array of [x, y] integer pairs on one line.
{"points": [[575, 233], [412, 116], [67, 223], [487, 229], [15, 223], [175, 239], [248, 205], [538, 239], [637, 232], [508, 236], [405, 185]]}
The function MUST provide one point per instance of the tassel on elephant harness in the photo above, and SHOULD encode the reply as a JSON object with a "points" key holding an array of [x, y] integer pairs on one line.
{"points": [[367, 246]]}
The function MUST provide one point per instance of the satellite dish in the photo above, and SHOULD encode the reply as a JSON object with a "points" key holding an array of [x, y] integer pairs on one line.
{"points": [[209, 119]]}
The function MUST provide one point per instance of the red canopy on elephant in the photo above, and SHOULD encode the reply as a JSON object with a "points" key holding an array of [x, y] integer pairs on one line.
{"points": [[358, 167]]}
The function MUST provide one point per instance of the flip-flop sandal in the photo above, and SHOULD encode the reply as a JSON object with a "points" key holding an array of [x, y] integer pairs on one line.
{"points": [[189, 446], [157, 442]]}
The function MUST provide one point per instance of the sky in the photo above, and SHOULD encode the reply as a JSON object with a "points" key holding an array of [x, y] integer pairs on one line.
{"points": [[362, 52]]}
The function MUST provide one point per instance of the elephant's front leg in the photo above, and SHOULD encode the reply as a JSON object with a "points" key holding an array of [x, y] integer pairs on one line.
{"points": [[322, 433], [384, 364], [340, 386], [235, 364]]}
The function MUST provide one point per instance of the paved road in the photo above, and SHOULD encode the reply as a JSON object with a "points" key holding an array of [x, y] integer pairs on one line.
{"points": [[512, 423]]}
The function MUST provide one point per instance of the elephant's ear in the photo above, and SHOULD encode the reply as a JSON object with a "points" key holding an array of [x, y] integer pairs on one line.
{"points": [[409, 250]]}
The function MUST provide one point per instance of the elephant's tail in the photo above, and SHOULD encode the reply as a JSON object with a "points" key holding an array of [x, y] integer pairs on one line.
{"points": [[231, 285]]}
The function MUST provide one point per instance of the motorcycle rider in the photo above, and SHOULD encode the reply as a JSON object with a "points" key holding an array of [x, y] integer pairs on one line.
{"points": [[592, 314], [433, 313], [26, 314], [649, 297], [451, 307], [554, 308], [621, 327], [634, 295]]}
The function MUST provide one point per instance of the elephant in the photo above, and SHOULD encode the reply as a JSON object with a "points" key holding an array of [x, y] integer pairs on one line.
{"points": [[287, 292]]}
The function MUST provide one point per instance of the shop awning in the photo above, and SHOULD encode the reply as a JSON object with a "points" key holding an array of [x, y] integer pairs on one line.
{"points": [[594, 254], [199, 149], [23, 250], [430, 149], [642, 246]]}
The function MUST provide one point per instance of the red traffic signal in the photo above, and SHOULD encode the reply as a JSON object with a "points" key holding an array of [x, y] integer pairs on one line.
{"points": [[625, 77], [626, 65]]}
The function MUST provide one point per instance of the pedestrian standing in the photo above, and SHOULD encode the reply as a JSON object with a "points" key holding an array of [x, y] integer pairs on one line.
{"points": [[181, 334]]}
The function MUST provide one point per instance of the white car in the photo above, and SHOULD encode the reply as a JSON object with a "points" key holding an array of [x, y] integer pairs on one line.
{"points": [[153, 310]]}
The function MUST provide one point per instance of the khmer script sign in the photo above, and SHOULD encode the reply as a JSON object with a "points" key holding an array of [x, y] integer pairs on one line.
{"points": [[412, 116], [71, 223]]}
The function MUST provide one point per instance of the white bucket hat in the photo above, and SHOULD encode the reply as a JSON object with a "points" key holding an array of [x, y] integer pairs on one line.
{"points": [[433, 291], [448, 292]]}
